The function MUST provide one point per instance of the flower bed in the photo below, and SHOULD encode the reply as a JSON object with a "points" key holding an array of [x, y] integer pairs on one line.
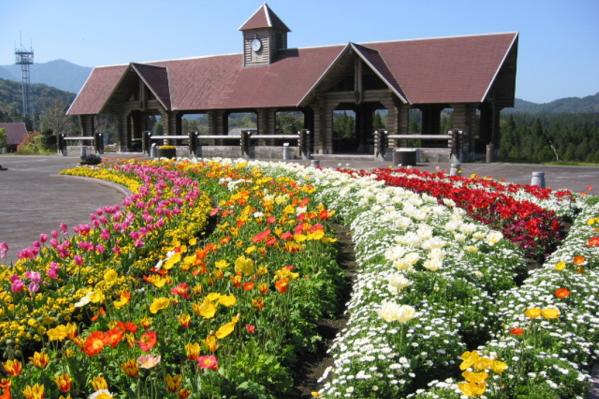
{"points": [[526, 216], [438, 308], [101, 258], [198, 317]]}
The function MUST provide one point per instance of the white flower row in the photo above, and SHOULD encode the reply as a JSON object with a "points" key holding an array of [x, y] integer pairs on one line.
{"points": [[411, 254]]}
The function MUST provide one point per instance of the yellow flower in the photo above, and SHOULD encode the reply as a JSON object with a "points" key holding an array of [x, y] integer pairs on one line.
{"points": [[57, 333], [227, 328], [483, 363], [173, 382], [158, 304], [124, 298], [471, 389], [250, 249], [468, 359], [33, 391], [475, 377], [532, 313], [559, 266], [499, 366], [550, 313], [211, 343], [97, 296], [110, 277], [244, 265], [227, 300], [192, 350], [172, 261], [207, 309], [221, 264], [39, 360], [98, 382]]}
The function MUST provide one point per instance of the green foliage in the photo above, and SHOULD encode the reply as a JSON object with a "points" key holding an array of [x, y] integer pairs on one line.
{"points": [[2, 138], [289, 122], [32, 145], [533, 138], [42, 98], [344, 123]]}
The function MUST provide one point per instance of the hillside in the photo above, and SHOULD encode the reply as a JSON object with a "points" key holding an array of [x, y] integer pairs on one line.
{"points": [[63, 75], [41, 95], [561, 105]]}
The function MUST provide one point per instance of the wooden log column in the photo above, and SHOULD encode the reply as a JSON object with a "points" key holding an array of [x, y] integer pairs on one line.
{"points": [[398, 119], [121, 126], [87, 125], [463, 119], [485, 128]]}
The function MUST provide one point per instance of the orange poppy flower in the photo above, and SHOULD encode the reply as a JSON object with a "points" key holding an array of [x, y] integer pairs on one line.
{"points": [[248, 286], [562, 293], [94, 343], [579, 260], [517, 331], [282, 285], [183, 393], [113, 337], [5, 387], [148, 340]]}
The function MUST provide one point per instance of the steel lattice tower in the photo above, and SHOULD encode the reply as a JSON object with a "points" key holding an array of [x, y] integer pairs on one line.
{"points": [[24, 58]]}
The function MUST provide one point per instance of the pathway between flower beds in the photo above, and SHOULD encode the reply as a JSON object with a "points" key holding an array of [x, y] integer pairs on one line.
{"points": [[34, 199]]}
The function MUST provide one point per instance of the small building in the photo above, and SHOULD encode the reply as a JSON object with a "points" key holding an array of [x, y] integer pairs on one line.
{"points": [[15, 134], [473, 76]]}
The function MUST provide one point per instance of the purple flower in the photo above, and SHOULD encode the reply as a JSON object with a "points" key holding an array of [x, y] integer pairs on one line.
{"points": [[33, 287]]}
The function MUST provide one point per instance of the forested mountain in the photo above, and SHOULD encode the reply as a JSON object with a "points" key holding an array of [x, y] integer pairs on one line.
{"points": [[42, 97], [561, 105], [550, 137]]}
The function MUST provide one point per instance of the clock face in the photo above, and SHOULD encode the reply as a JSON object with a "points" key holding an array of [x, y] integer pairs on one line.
{"points": [[256, 45]]}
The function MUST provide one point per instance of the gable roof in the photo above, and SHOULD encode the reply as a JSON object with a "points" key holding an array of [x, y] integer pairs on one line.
{"points": [[15, 132], [441, 70], [156, 79], [264, 17]]}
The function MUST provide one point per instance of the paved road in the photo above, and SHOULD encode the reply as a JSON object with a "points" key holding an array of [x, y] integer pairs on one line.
{"points": [[33, 199]]}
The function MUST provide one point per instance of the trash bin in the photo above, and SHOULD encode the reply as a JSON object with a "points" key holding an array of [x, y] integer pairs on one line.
{"points": [[404, 157], [286, 152]]}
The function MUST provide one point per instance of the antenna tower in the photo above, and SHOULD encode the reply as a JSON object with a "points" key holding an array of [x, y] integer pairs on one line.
{"points": [[24, 58]]}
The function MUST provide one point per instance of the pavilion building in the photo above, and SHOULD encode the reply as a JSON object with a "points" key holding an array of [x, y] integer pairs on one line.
{"points": [[472, 75]]}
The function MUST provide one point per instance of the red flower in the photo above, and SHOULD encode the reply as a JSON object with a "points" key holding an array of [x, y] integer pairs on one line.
{"points": [[209, 362], [250, 328], [248, 286], [261, 236], [94, 344], [148, 340], [113, 337], [593, 242], [127, 326], [181, 290], [517, 331], [562, 293]]}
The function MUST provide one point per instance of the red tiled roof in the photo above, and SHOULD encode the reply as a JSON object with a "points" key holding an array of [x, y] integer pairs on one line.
{"points": [[448, 70], [444, 70], [15, 132], [264, 17], [96, 90]]}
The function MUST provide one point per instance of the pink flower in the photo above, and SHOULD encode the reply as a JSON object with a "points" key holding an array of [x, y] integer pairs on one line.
{"points": [[64, 228], [34, 277], [43, 238], [52, 271], [78, 260], [16, 285], [209, 362], [250, 328], [3, 249]]}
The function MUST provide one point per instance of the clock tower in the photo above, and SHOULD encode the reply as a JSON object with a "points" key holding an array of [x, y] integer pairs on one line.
{"points": [[264, 34]]}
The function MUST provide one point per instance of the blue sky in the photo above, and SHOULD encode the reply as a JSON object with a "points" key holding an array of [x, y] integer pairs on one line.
{"points": [[558, 49]]}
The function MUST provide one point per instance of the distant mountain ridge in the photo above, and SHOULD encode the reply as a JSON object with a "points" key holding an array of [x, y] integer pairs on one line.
{"points": [[572, 105], [42, 96], [62, 74]]}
